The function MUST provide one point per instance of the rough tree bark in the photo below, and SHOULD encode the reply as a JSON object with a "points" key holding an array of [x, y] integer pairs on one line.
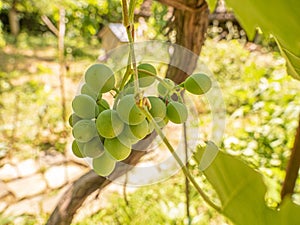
{"points": [[74, 197], [190, 25], [14, 19], [191, 20]]}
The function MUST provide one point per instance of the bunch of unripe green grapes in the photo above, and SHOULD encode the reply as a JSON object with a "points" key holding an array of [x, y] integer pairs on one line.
{"points": [[106, 134]]}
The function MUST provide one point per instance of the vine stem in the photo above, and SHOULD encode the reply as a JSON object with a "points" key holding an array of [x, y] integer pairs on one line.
{"points": [[165, 84], [177, 158], [186, 180], [128, 23]]}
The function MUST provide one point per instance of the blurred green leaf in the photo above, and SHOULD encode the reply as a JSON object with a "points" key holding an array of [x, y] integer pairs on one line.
{"points": [[242, 192], [276, 17], [211, 4]]}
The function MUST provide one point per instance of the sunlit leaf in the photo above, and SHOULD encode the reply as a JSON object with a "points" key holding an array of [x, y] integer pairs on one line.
{"points": [[276, 17], [242, 193]]}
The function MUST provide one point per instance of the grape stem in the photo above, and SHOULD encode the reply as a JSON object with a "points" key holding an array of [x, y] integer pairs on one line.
{"points": [[129, 24], [177, 158], [165, 84], [127, 74]]}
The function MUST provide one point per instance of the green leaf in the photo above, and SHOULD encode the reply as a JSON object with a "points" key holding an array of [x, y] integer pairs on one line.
{"points": [[209, 155], [212, 4], [276, 17], [292, 63], [242, 193]]}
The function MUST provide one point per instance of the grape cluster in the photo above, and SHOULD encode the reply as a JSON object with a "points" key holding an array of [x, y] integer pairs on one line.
{"points": [[106, 134]]}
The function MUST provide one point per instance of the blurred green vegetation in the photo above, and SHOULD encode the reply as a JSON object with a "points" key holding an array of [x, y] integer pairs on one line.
{"points": [[160, 204], [29, 92], [262, 102], [84, 18]]}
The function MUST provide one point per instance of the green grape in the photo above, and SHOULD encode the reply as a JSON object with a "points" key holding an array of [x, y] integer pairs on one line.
{"points": [[94, 148], [163, 91], [128, 111], [85, 89], [128, 90], [117, 148], [158, 108], [77, 148], [164, 122], [140, 130], [177, 112], [145, 79], [104, 165], [198, 84], [73, 119], [109, 124], [100, 78], [84, 130], [102, 105], [127, 135], [85, 106]]}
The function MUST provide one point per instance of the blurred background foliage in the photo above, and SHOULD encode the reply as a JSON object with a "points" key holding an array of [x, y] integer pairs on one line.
{"points": [[262, 101]]}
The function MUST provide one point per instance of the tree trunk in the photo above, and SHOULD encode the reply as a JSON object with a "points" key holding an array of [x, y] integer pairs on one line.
{"points": [[13, 19], [190, 25], [74, 197], [191, 20], [61, 58]]}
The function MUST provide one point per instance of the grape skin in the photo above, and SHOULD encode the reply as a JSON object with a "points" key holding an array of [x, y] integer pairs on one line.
{"points": [[128, 111], [104, 165], [145, 79], [84, 130], [77, 149], [177, 112], [198, 84], [108, 124], [85, 106], [127, 135], [100, 78], [140, 130], [94, 148], [73, 119], [158, 108], [85, 89], [117, 148]]}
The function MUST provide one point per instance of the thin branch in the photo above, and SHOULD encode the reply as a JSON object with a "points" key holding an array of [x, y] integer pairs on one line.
{"points": [[186, 180], [125, 13], [124, 189], [130, 33], [292, 167], [61, 58], [50, 25], [178, 160]]}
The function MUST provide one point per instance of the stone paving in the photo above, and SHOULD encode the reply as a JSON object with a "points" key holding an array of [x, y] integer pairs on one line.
{"points": [[34, 186]]}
